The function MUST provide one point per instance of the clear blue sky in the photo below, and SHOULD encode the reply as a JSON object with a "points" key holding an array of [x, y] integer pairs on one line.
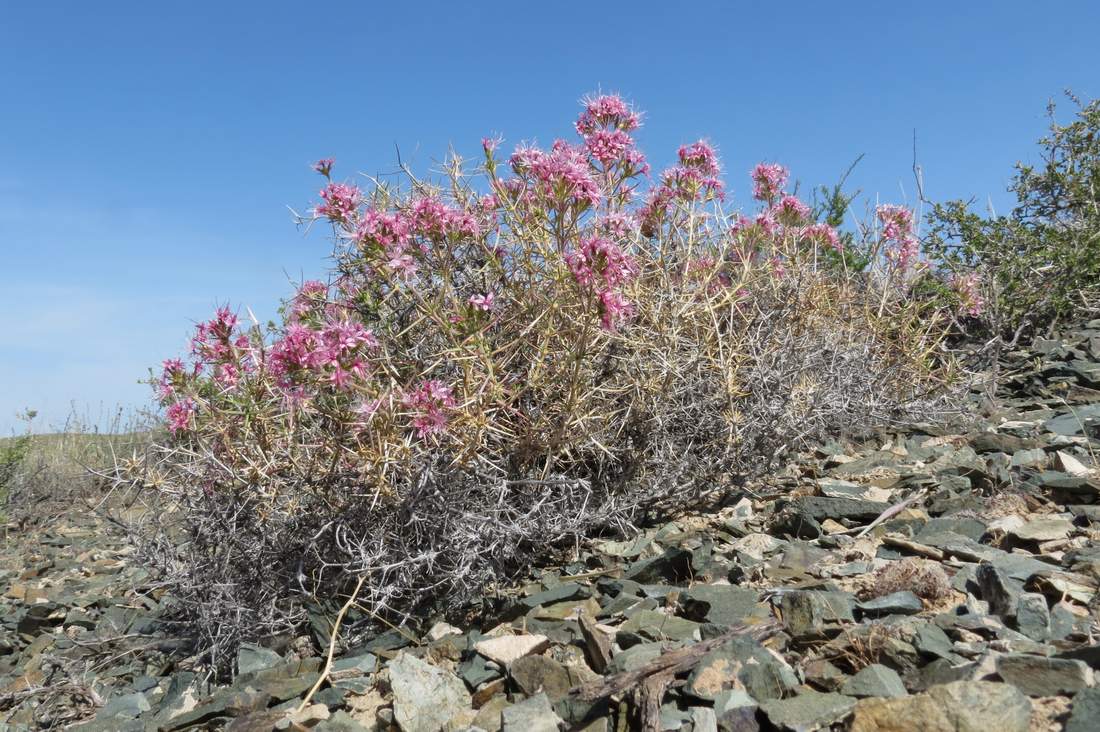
{"points": [[149, 151]]}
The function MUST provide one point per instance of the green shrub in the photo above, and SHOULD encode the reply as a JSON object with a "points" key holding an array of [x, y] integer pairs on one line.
{"points": [[1041, 262], [13, 450]]}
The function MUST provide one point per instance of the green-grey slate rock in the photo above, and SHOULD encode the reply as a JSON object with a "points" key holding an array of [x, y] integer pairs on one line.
{"points": [[718, 604], [531, 715], [425, 697], [1084, 716], [875, 680], [896, 603], [1033, 616], [1040, 676], [810, 710], [962, 706]]}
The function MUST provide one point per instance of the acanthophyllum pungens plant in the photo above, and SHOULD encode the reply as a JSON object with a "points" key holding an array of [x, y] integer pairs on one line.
{"points": [[548, 343]]}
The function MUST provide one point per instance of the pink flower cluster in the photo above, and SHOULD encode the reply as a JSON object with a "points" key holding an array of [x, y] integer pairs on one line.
{"points": [[433, 219], [179, 415], [171, 374], [306, 300], [333, 351], [216, 344], [824, 234], [605, 124], [694, 179], [482, 302], [607, 111], [429, 404], [324, 166], [897, 231], [562, 176], [340, 202], [601, 266], [968, 289], [790, 211], [768, 181]]}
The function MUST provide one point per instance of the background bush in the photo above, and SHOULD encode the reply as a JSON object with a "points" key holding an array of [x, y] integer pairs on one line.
{"points": [[552, 343], [1040, 262]]}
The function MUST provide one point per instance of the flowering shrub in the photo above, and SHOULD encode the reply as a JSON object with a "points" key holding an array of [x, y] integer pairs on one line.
{"points": [[551, 345]]}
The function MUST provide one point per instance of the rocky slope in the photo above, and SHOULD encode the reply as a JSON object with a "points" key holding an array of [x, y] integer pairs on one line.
{"points": [[921, 580]]}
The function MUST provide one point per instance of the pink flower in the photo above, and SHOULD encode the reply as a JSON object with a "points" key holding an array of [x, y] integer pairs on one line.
{"points": [[768, 181], [429, 404], [608, 146], [824, 234], [600, 263], [617, 225], [791, 211], [614, 309], [340, 202], [777, 267], [401, 263], [173, 369], [364, 412], [381, 230], [700, 156], [562, 176], [179, 415], [766, 222], [309, 295], [324, 166], [433, 219], [967, 288], [608, 111], [482, 302], [490, 144], [227, 374], [897, 222]]}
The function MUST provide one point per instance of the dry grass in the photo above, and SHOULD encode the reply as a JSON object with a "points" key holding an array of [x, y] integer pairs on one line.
{"points": [[924, 578]]}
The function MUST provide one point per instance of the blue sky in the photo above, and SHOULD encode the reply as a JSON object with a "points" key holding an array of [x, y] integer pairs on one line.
{"points": [[149, 151]]}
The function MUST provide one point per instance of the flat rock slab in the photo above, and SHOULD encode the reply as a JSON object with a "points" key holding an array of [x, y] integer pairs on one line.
{"points": [[507, 648], [961, 706], [425, 697], [808, 711]]}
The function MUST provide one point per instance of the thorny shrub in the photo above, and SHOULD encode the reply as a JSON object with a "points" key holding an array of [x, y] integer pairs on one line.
{"points": [[554, 344]]}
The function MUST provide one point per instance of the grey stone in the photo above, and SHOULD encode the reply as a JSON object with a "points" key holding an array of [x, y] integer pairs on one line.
{"points": [[658, 626], [719, 604], [425, 697], [534, 674], [127, 705], [930, 640], [531, 715], [252, 658], [1033, 616], [635, 657], [1000, 591], [961, 706], [820, 508], [341, 721], [1034, 458], [736, 711], [808, 711], [896, 603], [475, 672], [559, 593], [673, 566], [875, 680], [1085, 714], [703, 719], [1039, 676]]}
